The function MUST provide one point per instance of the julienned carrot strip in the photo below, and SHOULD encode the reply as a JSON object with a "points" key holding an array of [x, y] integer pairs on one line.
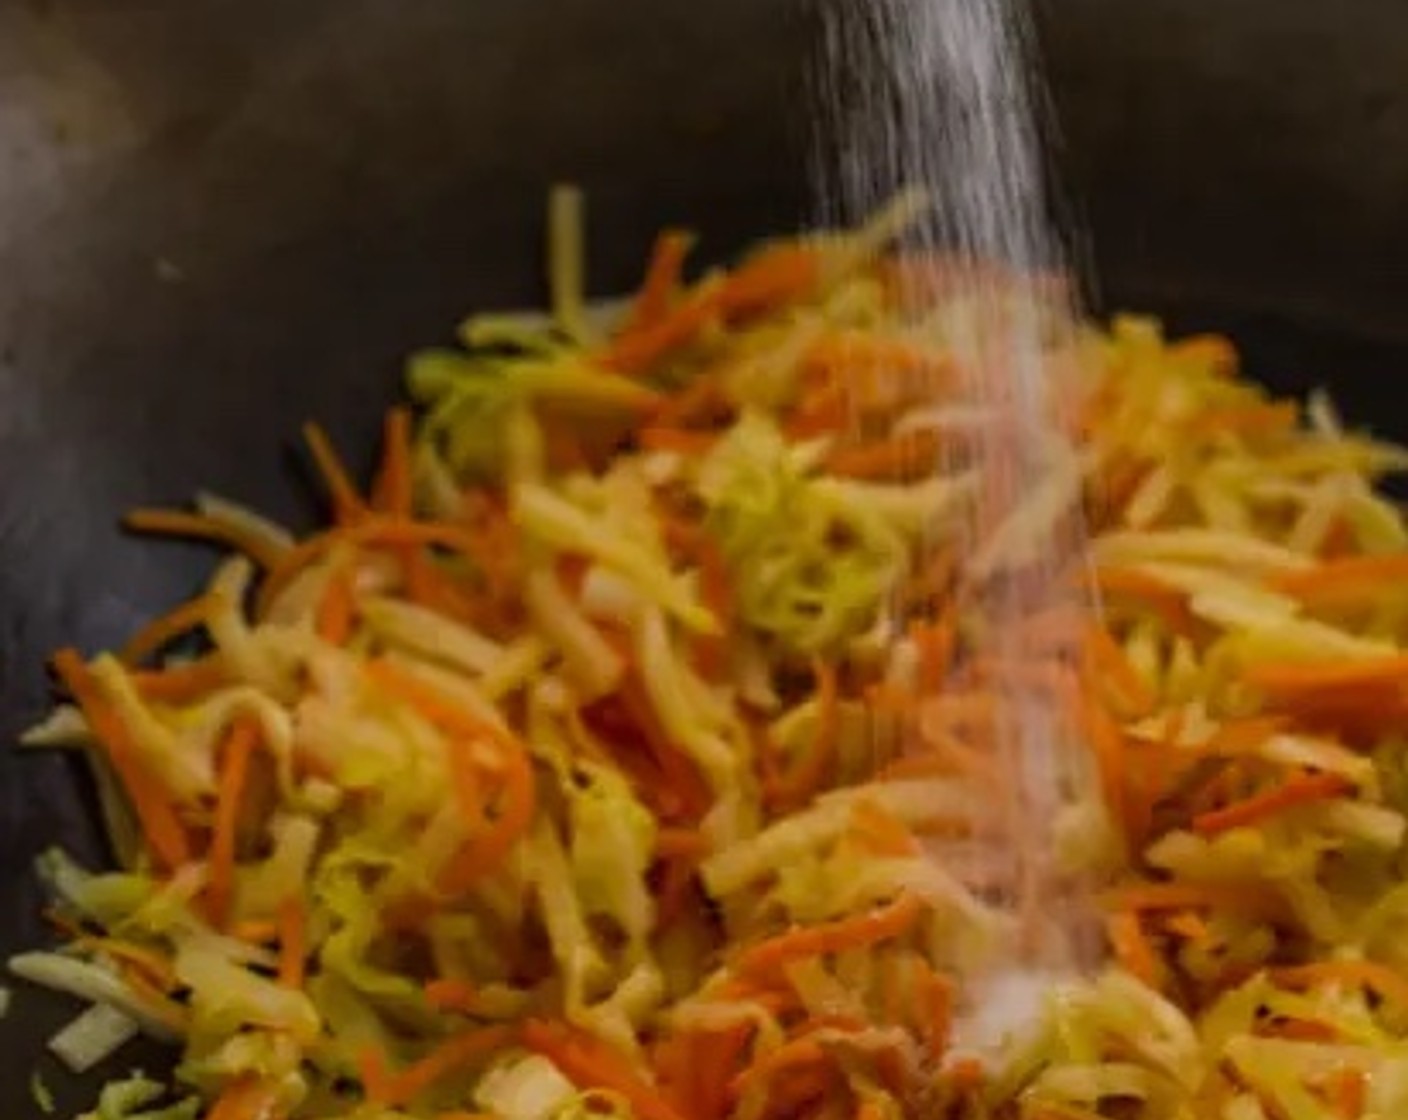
{"points": [[936, 995], [772, 278], [687, 842], [1213, 350], [1250, 901], [680, 772], [875, 372], [937, 642], [662, 278], [178, 523], [794, 1054], [968, 1074], [155, 968], [898, 458], [716, 1055], [1297, 676], [716, 589], [1107, 742], [434, 704], [347, 504], [168, 627], [1168, 603], [881, 831], [1260, 418], [293, 942], [161, 825], [1349, 1093], [374, 1072], [698, 401], [1239, 737], [337, 610], [256, 931], [181, 683], [1108, 659], [1189, 925], [392, 491], [882, 924], [249, 1098], [589, 1064], [1131, 946], [447, 1059], [374, 530], [452, 995], [799, 784], [238, 749], [1383, 981], [818, 412], [1304, 789], [485, 851], [427, 586], [634, 352], [769, 279], [680, 440], [1347, 578]]}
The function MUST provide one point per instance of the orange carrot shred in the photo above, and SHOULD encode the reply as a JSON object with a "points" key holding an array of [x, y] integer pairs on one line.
{"points": [[161, 825], [881, 831], [392, 492], [589, 1064], [196, 526], [375, 1073], [337, 610], [1213, 350], [259, 931], [161, 631], [1350, 577], [239, 747], [1246, 420], [662, 279], [452, 995], [686, 842], [1111, 662], [1296, 676], [882, 924], [899, 458], [1132, 948], [373, 530], [1383, 981], [936, 642], [770, 279], [1303, 789], [181, 683], [1349, 1092], [680, 440], [802, 781], [248, 1098], [347, 504], [293, 942], [447, 1059], [794, 1054]]}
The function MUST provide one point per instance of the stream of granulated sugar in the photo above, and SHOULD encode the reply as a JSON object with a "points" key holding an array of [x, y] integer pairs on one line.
{"points": [[941, 95]]}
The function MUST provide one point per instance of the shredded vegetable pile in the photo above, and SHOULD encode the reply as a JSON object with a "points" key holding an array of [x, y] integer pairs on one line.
{"points": [[620, 749]]}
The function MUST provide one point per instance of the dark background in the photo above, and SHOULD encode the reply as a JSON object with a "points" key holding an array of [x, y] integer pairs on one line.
{"points": [[221, 217]]}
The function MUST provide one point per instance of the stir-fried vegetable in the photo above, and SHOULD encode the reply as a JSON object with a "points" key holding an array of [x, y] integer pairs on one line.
{"points": [[638, 742]]}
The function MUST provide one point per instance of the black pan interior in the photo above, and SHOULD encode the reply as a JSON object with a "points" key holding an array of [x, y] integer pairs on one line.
{"points": [[219, 219]]}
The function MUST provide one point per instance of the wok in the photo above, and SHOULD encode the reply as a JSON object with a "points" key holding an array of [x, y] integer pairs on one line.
{"points": [[218, 219]]}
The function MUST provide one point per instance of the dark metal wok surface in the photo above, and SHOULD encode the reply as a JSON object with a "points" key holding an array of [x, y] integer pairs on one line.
{"points": [[218, 219]]}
